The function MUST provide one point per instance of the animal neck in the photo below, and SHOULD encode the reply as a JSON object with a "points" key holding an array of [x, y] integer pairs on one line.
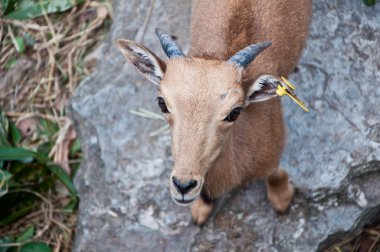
{"points": [[229, 28]]}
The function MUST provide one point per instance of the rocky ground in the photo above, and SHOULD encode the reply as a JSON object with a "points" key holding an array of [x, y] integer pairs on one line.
{"points": [[332, 152]]}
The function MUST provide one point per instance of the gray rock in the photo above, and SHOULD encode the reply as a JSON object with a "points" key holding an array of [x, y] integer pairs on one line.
{"points": [[332, 152]]}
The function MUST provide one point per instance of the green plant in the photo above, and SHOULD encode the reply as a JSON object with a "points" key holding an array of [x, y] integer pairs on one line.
{"points": [[369, 2], [26, 9], [26, 176], [37, 197]]}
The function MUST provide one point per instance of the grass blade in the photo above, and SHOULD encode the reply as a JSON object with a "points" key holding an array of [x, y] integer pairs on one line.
{"points": [[32, 9], [5, 240], [64, 178], [26, 235], [35, 247], [16, 214], [22, 155], [15, 133], [4, 126]]}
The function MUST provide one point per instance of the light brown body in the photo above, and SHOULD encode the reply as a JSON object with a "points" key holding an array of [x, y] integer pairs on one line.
{"points": [[201, 90], [233, 25]]}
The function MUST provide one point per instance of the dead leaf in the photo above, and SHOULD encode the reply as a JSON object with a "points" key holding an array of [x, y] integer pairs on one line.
{"points": [[102, 12], [61, 148]]}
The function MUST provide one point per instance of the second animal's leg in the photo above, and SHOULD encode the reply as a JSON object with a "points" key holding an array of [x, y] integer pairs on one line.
{"points": [[280, 190]]}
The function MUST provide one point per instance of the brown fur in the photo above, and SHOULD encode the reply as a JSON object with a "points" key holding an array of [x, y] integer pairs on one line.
{"points": [[221, 28], [232, 25], [202, 89]]}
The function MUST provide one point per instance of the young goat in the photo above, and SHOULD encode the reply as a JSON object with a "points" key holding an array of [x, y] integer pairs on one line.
{"points": [[226, 129]]}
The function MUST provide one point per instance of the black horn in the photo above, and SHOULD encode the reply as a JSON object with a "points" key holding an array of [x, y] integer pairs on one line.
{"points": [[170, 47], [245, 56]]}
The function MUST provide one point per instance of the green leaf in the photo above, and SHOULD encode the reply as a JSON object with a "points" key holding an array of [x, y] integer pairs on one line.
{"points": [[369, 2], [48, 128], [4, 5], [72, 205], [29, 39], [74, 167], [17, 214], [8, 6], [4, 240], [4, 126], [45, 148], [16, 154], [64, 178], [15, 133], [74, 148], [21, 154], [31, 9], [4, 175], [12, 60], [28, 234], [20, 44], [35, 247]]}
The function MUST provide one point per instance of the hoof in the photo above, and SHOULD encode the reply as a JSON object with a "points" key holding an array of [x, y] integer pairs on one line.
{"points": [[281, 200], [200, 211]]}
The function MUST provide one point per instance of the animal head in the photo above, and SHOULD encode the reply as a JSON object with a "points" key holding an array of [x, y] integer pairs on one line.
{"points": [[201, 100]]}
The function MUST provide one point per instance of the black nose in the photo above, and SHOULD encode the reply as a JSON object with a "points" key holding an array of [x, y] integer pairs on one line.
{"points": [[185, 187]]}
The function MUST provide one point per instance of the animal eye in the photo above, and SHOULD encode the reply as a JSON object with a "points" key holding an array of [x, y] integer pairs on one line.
{"points": [[162, 105], [233, 115]]}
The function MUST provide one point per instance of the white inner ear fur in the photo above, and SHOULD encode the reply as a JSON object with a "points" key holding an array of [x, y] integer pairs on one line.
{"points": [[139, 56], [156, 65], [264, 88]]}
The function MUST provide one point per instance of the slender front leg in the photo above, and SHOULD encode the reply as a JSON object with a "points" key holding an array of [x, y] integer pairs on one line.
{"points": [[280, 190], [201, 209]]}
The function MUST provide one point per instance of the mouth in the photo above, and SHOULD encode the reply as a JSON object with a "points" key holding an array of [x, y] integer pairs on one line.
{"points": [[183, 201]]}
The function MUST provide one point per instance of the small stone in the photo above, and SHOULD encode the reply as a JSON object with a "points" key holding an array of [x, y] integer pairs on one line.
{"points": [[146, 219], [300, 229], [361, 200], [93, 140], [169, 219], [112, 213]]}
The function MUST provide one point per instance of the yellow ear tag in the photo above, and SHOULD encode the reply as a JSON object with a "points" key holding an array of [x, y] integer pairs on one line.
{"points": [[287, 89]]}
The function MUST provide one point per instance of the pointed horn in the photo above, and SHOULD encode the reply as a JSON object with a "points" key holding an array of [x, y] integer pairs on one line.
{"points": [[170, 47], [245, 56]]}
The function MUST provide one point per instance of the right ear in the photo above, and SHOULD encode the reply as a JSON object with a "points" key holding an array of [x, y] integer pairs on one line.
{"points": [[264, 88], [145, 61]]}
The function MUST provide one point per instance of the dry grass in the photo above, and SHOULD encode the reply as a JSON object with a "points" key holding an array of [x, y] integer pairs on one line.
{"points": [[368, 240], [46, 75], [53, 224], [60, 52]]}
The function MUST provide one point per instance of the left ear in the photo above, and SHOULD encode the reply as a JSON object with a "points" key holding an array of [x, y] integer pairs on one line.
{"points": [[264, 88], [145, 61]]}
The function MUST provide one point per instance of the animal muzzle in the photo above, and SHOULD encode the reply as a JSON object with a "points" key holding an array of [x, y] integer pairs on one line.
{"points": [[185, 190]]}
